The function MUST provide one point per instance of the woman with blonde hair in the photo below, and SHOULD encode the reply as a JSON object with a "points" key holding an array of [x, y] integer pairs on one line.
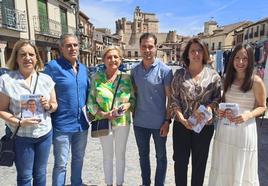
{"points": [[34, 136], [100, 99]]}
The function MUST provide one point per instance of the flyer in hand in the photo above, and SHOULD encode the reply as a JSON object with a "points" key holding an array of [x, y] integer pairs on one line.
{"points": [[31, 106], [199, 118], [230, 110]]}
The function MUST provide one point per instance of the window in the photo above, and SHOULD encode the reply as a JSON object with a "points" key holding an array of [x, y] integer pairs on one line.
{"points": [[63, 20], [262, 30], [213, 46], [129, 54], [7, 13], [246, 35], [251, 33], [136, 54], [256, 33], [43, 16], [219, 45]]}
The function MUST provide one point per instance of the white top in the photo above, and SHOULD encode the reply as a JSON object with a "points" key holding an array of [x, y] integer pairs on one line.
{"points": [[13, 85]]}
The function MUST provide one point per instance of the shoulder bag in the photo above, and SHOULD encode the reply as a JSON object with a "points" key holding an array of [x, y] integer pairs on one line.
{"points": [[101, 127]]}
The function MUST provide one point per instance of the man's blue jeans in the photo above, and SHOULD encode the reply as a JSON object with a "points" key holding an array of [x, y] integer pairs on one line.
{"points": [[31, 159], [63, 142], [143, 136]]}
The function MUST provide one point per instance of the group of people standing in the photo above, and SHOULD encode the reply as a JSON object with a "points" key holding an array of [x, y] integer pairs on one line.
{"points": [[152, 94]]}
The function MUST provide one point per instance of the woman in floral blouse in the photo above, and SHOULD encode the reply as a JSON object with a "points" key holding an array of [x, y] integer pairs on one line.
{"points": [[99, 103], [193, 85]]}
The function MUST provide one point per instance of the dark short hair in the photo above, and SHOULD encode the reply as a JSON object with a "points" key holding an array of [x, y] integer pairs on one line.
{"points": [[31, 100], [148, 35], [185, 55]]}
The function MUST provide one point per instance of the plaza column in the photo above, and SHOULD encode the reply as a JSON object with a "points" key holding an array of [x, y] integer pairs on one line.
{"points": [[3, 45], [87, 60], [48, 50]]}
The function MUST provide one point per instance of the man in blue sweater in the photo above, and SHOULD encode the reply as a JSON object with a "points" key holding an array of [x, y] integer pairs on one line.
{"points": [[70, 128]]}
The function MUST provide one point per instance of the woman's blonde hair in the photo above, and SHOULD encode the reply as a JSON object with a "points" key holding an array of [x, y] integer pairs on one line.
{"points": [[12, 61], [109, 48]]}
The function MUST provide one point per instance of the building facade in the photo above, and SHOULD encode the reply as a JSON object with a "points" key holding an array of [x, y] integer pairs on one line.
{"points": [[221, 37], [256, 32], [40, 21]]}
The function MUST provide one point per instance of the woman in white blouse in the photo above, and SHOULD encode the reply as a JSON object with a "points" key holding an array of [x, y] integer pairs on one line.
{"points": [[34, 137]]}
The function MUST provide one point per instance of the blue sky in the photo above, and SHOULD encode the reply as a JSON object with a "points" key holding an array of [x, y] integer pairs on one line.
{"points": [[187, 17]]}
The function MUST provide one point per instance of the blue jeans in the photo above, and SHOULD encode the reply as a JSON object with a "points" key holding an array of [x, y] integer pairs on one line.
{"points": [[31, 159], [143, 136], [63, 142]]}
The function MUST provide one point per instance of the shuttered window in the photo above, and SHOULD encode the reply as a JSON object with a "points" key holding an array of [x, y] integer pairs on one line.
{"points": [[43, 16]]}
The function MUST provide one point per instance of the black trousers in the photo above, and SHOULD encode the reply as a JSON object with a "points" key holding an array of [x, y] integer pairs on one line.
{"points": [[186, 142]]}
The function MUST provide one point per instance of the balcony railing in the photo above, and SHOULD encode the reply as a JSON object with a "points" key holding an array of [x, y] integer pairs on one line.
{"points": [[13, 19], [49, 27]]}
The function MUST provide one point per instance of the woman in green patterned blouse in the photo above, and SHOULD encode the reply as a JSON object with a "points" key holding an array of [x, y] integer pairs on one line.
{"points": [[99, 103]]}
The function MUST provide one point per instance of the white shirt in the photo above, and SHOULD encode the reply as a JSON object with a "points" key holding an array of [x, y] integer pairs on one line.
{"points": [[13, 85]]}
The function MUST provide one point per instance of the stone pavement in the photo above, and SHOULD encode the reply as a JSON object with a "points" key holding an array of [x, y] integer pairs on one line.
{"points": [[93, 171]]}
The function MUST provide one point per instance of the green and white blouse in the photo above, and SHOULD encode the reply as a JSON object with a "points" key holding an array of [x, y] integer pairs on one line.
{"points": [[101, 96]]}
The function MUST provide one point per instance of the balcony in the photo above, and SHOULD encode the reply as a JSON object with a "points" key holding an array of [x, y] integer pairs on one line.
{"points": [[49, 27], [13, 19]]}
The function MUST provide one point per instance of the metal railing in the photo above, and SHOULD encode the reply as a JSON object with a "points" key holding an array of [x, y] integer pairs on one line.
{"points": [[46, 26], [13, 19]]}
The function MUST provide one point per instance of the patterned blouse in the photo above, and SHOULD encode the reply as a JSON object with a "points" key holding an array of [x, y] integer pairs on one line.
{"points": [[101, 96], [188, 94]]}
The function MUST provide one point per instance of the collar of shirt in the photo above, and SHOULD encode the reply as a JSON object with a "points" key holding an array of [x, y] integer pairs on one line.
{"points": [[155, 63], [67, 63]]}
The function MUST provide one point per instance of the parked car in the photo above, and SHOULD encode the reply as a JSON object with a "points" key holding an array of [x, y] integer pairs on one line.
{"points": [[3, 70], [92, 70]]}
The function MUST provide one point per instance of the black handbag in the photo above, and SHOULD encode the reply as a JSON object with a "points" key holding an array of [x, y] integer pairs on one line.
{"points": [[101, 127], [7, 149]]}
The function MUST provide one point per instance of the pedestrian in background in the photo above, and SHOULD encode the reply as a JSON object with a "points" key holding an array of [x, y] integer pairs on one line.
{"points": [[34, 137], [70, 128], [100, 99], [235, 148], [193, 85], [152, 80]]}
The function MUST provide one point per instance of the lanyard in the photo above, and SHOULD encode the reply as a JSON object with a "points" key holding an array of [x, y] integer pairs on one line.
{"points": [[36, 82]]}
